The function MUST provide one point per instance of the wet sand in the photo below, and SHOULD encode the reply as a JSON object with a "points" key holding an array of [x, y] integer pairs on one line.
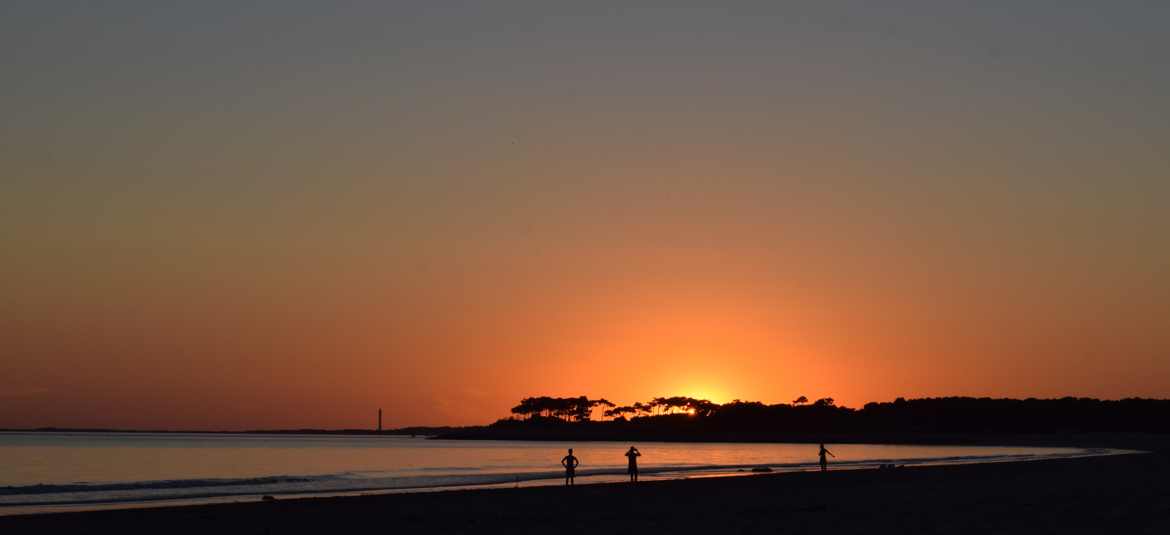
{"points": [[1116, 494]]}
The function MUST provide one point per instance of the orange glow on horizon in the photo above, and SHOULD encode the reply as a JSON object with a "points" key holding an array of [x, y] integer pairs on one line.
{"points": [[438, 212]]}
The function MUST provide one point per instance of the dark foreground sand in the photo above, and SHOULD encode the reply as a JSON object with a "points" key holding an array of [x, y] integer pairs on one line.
{"points": [[1118, 494]]}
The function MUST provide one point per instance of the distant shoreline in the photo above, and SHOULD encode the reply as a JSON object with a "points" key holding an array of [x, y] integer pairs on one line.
{"points": [[1080, 439], [1087, 440], [921, 420]]}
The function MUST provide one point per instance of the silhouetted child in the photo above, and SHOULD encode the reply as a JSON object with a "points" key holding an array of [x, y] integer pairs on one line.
{"points": [[824, 461], [570, 463], [633, 454]]}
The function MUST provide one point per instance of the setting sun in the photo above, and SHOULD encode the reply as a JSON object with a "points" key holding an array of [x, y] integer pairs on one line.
{"points": [[709, 395]]}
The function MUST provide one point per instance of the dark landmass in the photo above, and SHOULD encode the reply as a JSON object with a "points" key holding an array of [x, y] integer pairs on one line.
{"points": [[1115, 494], [949, 420], [927, 420]]}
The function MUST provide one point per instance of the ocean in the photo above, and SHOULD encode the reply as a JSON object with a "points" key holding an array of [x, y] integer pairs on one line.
{"points": [[56, 471]]}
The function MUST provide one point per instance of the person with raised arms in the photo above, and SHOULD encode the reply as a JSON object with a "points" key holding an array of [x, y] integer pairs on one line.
{"points": [[633, 455]]}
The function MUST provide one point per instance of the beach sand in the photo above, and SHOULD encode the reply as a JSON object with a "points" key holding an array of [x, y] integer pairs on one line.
{"points": [[1115, 494]]}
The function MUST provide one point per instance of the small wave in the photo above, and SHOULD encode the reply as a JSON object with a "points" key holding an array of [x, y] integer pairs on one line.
{"points": [[152, 485]]}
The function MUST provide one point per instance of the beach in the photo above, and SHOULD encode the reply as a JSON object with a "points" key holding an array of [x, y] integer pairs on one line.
{"points": [[1119, 494]]}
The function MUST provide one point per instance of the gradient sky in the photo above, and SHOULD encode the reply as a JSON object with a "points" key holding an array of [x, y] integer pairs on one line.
{"points": [[231, 215]]}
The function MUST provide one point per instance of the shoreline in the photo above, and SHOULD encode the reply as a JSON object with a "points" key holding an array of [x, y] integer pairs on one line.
{"points": [[1089, 439], [597, 477], [1080, 444], [1096, 494]]}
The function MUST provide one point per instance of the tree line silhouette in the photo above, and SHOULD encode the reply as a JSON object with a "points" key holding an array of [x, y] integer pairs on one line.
{"points": [[687, 417], [580, 408]]}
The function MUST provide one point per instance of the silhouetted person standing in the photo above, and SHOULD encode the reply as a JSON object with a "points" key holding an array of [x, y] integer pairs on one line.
{"points": [[824, 461], [633, 454], [570, 463]]}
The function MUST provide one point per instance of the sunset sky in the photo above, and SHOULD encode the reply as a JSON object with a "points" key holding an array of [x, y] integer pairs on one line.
{"points": [[238, 215]]}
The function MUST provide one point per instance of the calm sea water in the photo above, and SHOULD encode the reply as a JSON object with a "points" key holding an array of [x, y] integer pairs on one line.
{"points": [[54, 471]]}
